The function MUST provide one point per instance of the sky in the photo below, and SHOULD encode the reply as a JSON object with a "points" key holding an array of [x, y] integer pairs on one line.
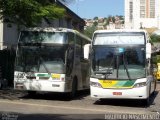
{"points": [[97, 8]]}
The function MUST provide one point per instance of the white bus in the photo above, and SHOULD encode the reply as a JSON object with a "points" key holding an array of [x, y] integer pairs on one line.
{"points": [[51, 60], [121, 65]]}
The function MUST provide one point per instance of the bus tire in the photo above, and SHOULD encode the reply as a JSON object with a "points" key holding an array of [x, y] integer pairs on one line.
{"points": [[147, 100], [73, 92], [155, 86]]}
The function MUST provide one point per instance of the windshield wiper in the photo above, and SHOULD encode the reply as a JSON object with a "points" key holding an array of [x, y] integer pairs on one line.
{"points": [[126, 68], [108, 70]]}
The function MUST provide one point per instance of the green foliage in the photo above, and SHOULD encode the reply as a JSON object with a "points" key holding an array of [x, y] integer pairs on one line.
{"points": [[155, 38], [107, 21], [154, 59], [95, 18], [121, 17], [158, 59], [89, 31], [113, 19], [95, 23], [29, 12]]}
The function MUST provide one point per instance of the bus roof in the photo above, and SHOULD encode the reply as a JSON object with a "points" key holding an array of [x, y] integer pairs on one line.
{"points": [[124, 31], [52, 29], [120, 30], [49, 29]]}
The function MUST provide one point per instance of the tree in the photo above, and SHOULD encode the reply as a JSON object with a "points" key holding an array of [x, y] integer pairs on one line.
{"points": [[95, 18], [29, 12], [155, 38], [89, 31], [121, 17], [107, 20], [113, 19], [95, 23]]}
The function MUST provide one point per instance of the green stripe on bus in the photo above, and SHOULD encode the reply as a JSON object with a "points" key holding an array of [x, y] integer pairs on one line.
{"points": [[43, 75]]}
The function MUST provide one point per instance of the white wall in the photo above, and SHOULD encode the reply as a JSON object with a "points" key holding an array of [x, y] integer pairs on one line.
{"points": [[158, 13], [148, 23], [10, 35], [127, 21], [136, 14], [1, 34]]}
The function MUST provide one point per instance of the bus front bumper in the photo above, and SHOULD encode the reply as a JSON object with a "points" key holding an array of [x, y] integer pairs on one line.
{"points": [[43, 85], [132, 93]]}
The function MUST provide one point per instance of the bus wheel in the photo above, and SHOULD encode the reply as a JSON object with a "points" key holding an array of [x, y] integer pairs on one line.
{"points": [[147, 100], [73, 92], [155, 86]]}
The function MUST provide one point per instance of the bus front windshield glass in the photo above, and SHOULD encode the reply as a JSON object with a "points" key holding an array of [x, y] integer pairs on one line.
{"points": [[118, 62], [42, 59], [42, 37]]}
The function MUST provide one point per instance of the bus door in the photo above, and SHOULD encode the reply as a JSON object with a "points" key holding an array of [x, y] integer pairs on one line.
{"points": [[84, 66]]}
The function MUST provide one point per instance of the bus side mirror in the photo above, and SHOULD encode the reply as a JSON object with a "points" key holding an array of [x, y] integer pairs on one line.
{"points": [[86, 51], [148, 50]]}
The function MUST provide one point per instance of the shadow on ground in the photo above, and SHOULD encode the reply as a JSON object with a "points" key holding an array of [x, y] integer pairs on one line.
{"points": [[127, 102], [15, 95], [57, 96], [19, 116]]}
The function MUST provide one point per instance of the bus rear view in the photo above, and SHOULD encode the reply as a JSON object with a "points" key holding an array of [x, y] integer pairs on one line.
{"points": [[120, 66]]}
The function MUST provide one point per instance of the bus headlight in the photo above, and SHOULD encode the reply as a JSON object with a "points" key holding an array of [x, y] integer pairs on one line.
{"points": [[95, 84], [137, 85]]}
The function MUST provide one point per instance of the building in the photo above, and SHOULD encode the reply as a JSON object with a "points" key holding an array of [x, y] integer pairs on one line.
{"points": [[106, 23], [9, 32], [142, 14]]}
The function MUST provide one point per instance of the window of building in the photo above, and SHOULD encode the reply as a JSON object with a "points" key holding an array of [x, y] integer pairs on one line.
{"points": [[130, 10], [152, 8], [142, 8]]}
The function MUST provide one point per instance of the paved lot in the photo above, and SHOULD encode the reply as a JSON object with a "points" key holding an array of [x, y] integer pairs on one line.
{"points": [[51, 106]]}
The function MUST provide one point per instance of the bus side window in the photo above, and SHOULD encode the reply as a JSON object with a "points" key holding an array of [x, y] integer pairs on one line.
{"points": [[70, 54], [82, 50], [81, 42], [78, 46], [71, 39]]}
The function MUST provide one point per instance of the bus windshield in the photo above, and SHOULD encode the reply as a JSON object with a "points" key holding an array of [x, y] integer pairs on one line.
{"points": [[43, 59], [42, 37], [118, 62], [126, 38]]}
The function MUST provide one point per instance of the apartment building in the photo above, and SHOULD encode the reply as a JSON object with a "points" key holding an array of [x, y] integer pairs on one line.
{"points": [[142, 14]]}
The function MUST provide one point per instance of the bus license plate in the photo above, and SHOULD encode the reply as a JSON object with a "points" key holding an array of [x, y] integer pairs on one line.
{"points": [[117, 93]]}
